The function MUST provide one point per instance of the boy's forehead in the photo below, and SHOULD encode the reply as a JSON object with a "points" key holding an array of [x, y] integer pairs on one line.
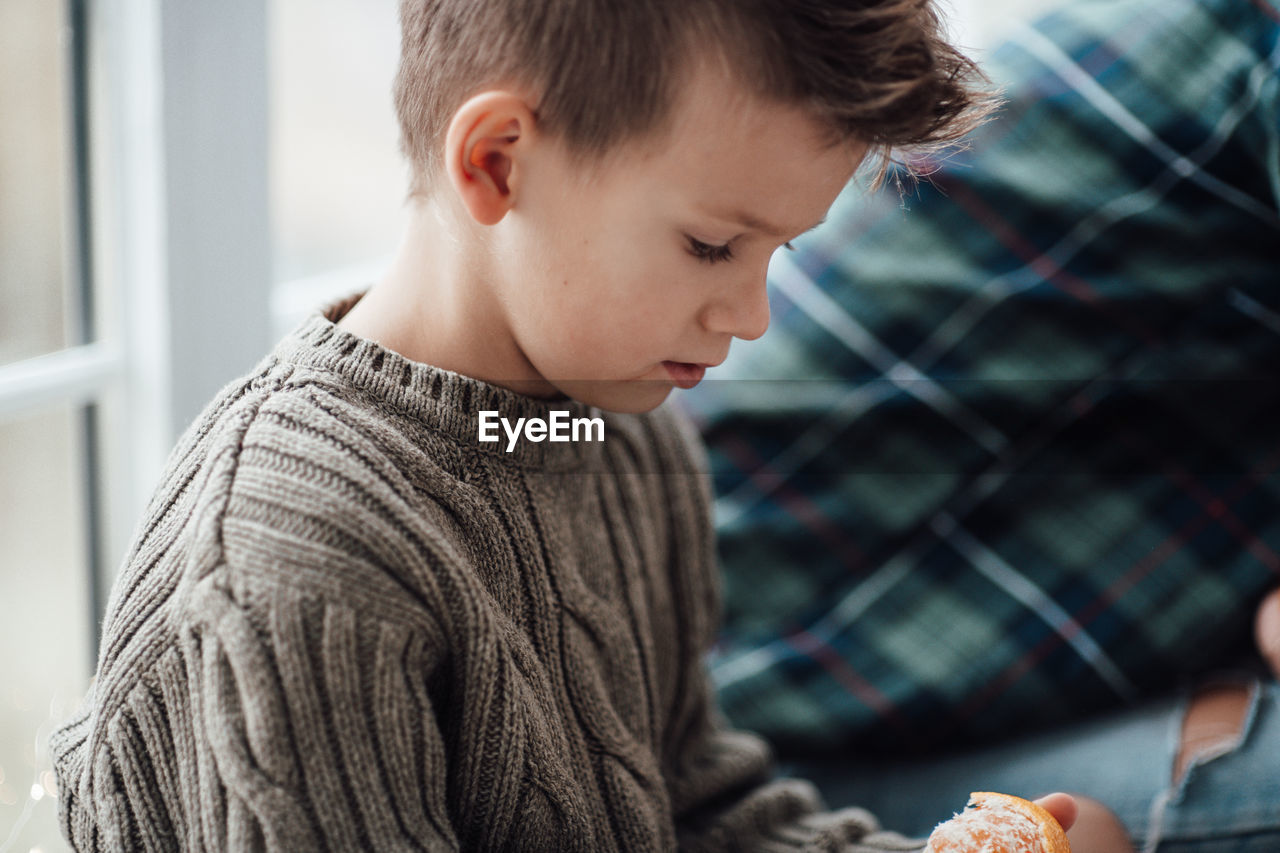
{"points": [[715, 110], [753, 222], [746, 160]]}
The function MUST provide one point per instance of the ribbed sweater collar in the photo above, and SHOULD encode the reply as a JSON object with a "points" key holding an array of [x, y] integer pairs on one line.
{"points": [[442, 399]]}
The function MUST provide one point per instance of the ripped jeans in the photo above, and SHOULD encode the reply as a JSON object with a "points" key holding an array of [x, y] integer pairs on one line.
{"points": [[1228, 803]]}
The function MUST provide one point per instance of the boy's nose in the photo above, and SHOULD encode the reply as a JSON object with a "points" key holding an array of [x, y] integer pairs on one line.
{"points": [[742, 311]]}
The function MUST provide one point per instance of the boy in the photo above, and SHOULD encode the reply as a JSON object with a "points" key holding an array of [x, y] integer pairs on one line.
{"points": [[349, 623]]}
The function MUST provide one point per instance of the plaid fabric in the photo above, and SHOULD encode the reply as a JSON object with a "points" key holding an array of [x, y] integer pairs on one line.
{"points": [[1008, 454]]}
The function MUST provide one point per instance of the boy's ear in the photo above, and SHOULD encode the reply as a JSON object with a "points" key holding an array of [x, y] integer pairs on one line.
{"points": [[484, 149]]}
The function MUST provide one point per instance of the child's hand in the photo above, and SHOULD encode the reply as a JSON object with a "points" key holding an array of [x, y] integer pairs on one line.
{"points": [[1061, 806], [1091, 826], [1266, 629]]}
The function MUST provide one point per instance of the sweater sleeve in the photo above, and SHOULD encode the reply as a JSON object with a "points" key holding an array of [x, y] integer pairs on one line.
{"points": [[725, 796], [279, 724], [323, 730]]}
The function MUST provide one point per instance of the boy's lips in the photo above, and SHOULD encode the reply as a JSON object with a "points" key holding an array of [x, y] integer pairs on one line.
{"points": [[686, 375]]}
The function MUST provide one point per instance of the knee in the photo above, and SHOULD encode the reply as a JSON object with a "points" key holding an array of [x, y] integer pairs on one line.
{"points": [[1214, 724]]}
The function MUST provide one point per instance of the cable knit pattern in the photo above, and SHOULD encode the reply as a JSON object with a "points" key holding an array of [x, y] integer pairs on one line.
{"points": [[348, 625]]}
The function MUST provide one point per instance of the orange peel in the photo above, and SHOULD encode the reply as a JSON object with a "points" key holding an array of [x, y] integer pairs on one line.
{"points": [[999, 823]]}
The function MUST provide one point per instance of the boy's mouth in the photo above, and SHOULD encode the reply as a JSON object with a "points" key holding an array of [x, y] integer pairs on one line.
{"points": [[686, 375]]}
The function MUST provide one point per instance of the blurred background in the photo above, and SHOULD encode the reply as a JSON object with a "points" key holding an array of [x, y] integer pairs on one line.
{"points": [[178, 186]]}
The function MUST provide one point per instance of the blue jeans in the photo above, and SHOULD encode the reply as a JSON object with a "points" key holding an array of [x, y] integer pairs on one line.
{"points": [[1226, 804]]}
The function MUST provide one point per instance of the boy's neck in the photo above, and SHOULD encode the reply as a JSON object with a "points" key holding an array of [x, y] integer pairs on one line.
{"points": [[434, 305]]}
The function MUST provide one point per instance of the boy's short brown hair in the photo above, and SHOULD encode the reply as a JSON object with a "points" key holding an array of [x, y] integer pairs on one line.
{"points": [[605, 71]]}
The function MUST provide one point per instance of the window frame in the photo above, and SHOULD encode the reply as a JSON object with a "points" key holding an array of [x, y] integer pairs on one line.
{"points": [[169, 247]]}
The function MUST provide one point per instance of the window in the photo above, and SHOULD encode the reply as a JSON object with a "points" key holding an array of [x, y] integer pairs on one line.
{"points": [[337, 177], [45, 616], [336, 173], [45, 428], [135, 279]]}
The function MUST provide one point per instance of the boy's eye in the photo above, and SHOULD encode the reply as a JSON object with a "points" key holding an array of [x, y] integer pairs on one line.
{"points": [[714, 254], [711, 254]]}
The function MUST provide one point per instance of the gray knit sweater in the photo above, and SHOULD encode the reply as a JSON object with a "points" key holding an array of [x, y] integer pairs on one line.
{"points": [[346, 624]]}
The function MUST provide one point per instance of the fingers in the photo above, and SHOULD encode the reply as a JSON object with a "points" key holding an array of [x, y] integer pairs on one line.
{"points": [[1061, 806], [1266, 629], [1097, 829]]}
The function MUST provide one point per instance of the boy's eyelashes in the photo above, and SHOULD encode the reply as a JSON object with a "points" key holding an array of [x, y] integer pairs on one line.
{"points": [[714, 254], [709, 253]]}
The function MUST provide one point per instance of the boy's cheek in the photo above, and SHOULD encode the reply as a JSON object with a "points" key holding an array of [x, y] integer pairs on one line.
{"points": [[580, 343]]}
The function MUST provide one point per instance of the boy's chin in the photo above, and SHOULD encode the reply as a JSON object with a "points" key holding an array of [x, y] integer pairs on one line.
{"points": [[631, 398]]}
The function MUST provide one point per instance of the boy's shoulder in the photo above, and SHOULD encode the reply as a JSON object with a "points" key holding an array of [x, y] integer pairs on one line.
{"points": [[296, 480], [339, 469]]}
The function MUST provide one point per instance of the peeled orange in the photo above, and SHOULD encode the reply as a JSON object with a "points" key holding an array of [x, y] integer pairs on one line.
{"points": [[999, 823]]}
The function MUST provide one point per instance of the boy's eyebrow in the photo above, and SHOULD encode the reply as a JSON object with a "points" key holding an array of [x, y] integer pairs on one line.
{"points": [[747, 220]]}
